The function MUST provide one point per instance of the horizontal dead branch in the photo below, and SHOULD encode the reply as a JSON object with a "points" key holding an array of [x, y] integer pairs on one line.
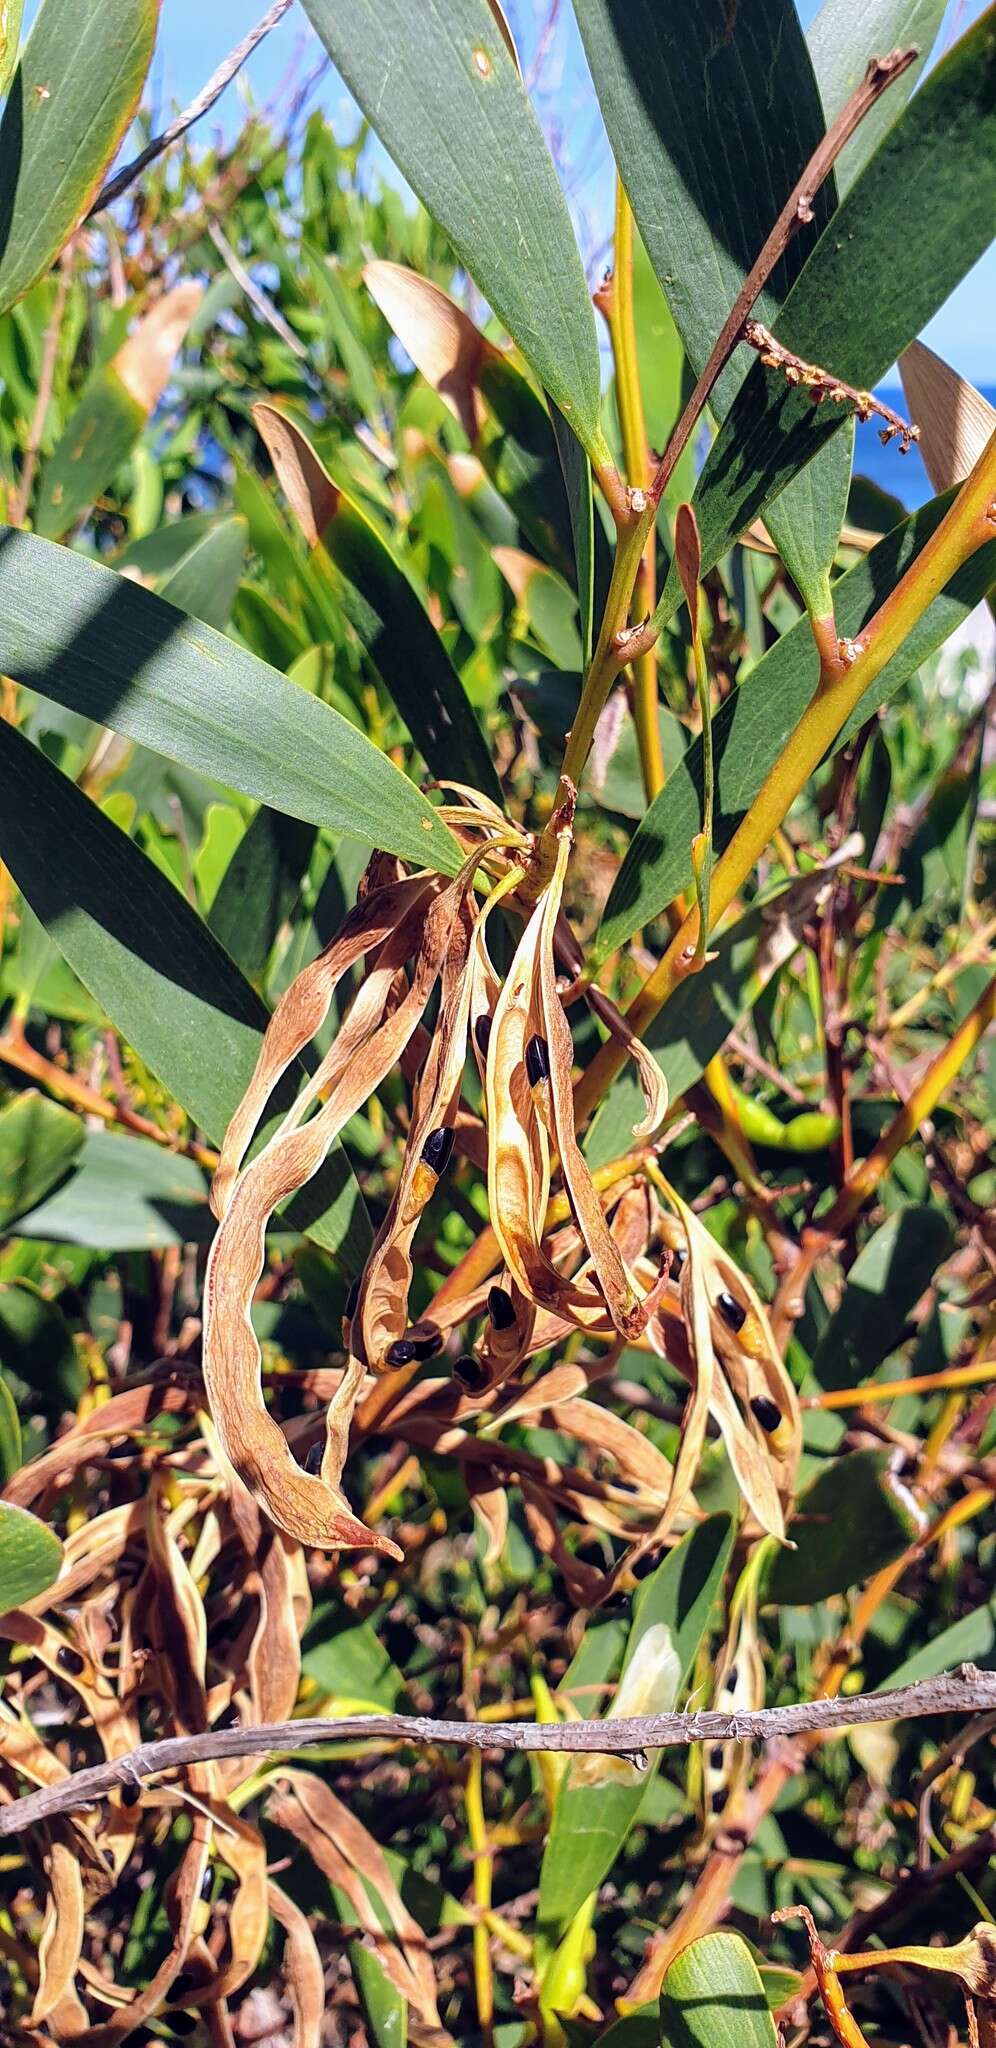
{"points": [[964, 1691], [822, 384]]}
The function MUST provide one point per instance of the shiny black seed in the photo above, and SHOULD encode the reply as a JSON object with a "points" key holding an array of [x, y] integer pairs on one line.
{"points": [[677, 1260], [472, 1375], [184, 1985], [733, 1315], [437, 1148], [351, 1300], [718, 1801], [401, 1352], [183, 2023], [130, 1795], [482, 1033], [645, 1565], [71, 1661], [731, 1679], [313, 1461], [537, 1061], [426, 1344], [207, 1883], [231, 1718], [501, 1309], [716, 1757], [767, 1412]]}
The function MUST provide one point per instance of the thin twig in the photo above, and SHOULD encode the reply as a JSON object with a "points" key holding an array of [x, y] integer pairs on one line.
{"points": [[796, 213], [257, 297], [201, 105], [964, 1691]]}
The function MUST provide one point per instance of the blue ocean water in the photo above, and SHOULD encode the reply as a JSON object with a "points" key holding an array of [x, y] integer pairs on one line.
{"points": [[903, 475]]}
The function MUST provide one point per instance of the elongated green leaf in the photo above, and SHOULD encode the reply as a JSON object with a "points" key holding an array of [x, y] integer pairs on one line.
{"points": [[348, 1661], [118, 400], [591, 1822], [383, 607], [71, 100], [853, 1518], [38, 1143], [36, 1343], [912, 224], [260, 887], [712, 114], [713, 1997], [971, 1639], [752, 726], [577, 483], [141, 950], [99, 644], [440, 88], [673, 81], [205, 580], [30, 1556], [10, 1434], [124, 1194], [841, 41], [887, 1278]]}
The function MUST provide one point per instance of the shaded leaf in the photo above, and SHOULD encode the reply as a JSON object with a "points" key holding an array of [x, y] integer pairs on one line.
{"points": [[852, 1518], [154, 967], [39, 1141], [443, 93], [99, 644], [713, 1997], [124, 1194], [909, 229], [383, 607], [885, 1282]]}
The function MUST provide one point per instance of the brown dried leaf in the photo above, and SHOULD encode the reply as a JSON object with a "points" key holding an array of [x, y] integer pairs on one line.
{"points": [[442, 342], [688, 560], [305, 482], [145, 363], [303, 1971], [955, 420], [62, 1934]]}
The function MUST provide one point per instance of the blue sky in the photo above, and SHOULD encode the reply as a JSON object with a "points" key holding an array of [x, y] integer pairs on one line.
{"points": [[194, 36]]}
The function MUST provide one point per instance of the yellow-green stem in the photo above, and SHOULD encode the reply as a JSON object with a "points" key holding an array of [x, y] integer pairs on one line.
{"points": [[477, 1832], [636, 456], [970, 522]]}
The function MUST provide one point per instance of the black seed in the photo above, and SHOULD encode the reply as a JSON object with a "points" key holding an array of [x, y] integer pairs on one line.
{"points": [[437, 1148], [401, 1352], [482, 1033], [718, 1801], [645, 1565], [351, 1300], [426, 1345], [231, 1718], [313, 1461], [472, 1375], [207, 1883], [677, 1260], [184, 1985], [730, 1680], [716, 1757], [71, 1661], [501, 1309], [537, 1061], [733, 1315], [130, 1795], [767, 1412]]}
